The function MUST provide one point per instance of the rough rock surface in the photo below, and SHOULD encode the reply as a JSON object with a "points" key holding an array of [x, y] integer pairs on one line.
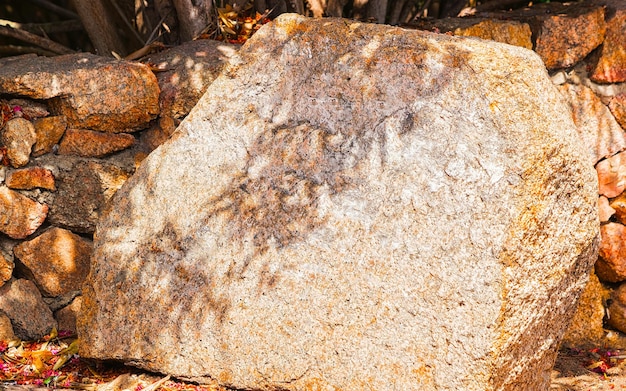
{"points": [[611, 264], [89, 143], [30, 178], [612, 175], [618, 108], [66, 316], [19, 215], [513, 33], [6, 269], [323, 228], [186, 71], [605, 210], [568, 33], [92, 92], [22, 303], [83, 188], [6, 329], [617, 309], [618, 205], [610, 62], [18, 136], [58, 260], [49, 131], [587, 328], [597, 127]]}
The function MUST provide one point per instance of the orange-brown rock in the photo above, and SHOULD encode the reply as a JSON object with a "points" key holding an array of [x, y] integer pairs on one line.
{"points": [[49, 131], [612, 175], [19, 215], [30, 178], [6, 329], [611, 264], [22, 303], [58, 260], [507, 31], [587, 329], [617, 105], [186, 71], [89, 143], [609, 65], [6, 269], [18, 136], [66, 316], [157, 134], [595, 124], [93, 92], [568, 34], [563, 34], [605, 211], [617, 309], [619, 207]]}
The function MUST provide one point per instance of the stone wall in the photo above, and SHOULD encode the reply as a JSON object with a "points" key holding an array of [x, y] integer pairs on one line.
{"points": [[75, 127]]}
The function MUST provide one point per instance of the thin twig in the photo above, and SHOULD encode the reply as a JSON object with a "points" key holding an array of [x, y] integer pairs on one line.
{"points": [[35, 40], [13, 50], [55, 8], [54, 27], [126, 22], [152, 37]]}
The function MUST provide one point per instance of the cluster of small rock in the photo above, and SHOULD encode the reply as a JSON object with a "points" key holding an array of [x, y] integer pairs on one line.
{"points": [[72, 130]]}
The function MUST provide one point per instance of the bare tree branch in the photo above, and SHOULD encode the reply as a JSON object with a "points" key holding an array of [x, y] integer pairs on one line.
{"points": [[100, 27], [54, 27], [12, 50], [35, 40]]}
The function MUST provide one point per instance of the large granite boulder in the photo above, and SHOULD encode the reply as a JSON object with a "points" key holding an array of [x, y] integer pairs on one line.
{"points": [[352, 206]]}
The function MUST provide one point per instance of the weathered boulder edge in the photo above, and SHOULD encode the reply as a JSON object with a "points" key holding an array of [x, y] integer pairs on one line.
{"points": [[278, 305]]}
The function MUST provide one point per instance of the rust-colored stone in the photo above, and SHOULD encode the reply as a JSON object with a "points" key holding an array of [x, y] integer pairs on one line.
{"points": [[93, 92], [19, 215], [617, 309], [595, 124], [58, 260], [49, 131], [611, 264], [6, 329], [612, 175], [158, 133], [30, 178], [18, 136], [586, 329], [6, 269], [568, 35], [507, 31], [89, 143], [66, 316], [609, 65], [605, 211], [186, 72], [619, 207], [617, 105], [22, 303]]}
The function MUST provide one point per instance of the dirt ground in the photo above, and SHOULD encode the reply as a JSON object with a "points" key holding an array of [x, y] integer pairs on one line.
{"points": [[589, 370]]}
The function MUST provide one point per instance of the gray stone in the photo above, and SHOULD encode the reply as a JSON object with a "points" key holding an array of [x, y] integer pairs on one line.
{"points": [[22, 303], [374, 208], [83, 187]]}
